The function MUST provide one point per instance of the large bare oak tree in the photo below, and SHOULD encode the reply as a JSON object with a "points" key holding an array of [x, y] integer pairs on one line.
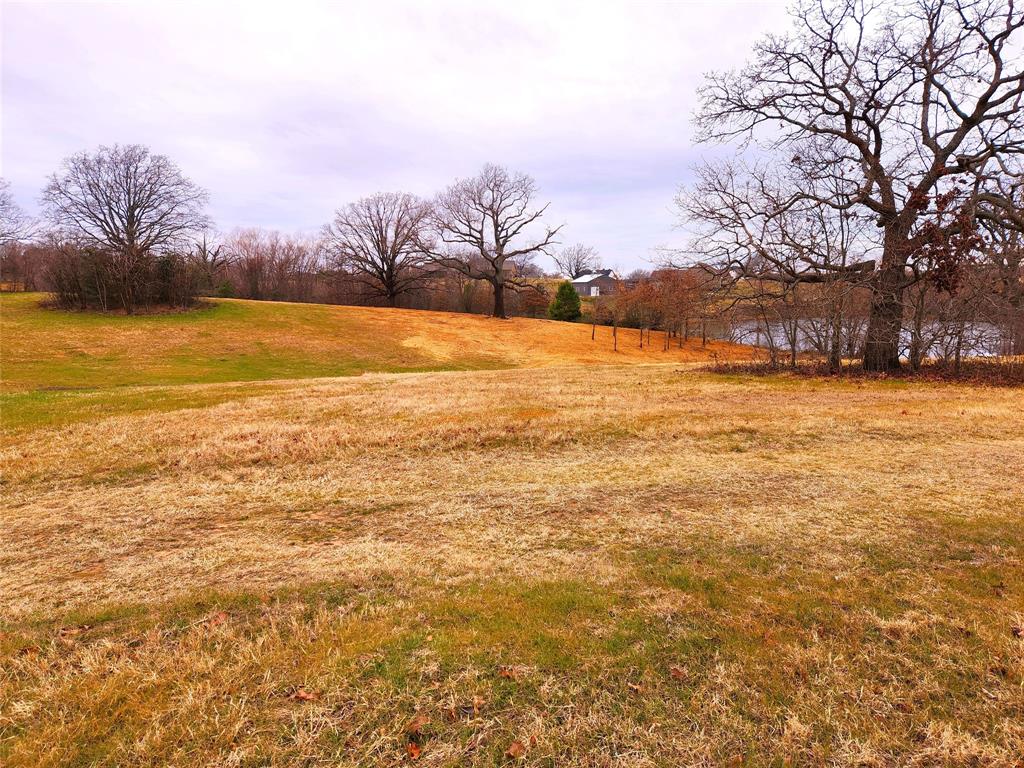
{"points": [[128, 203], [911, 107], [484, 227], [380, 240]]}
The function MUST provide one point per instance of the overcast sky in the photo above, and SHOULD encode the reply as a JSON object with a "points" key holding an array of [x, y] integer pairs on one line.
{"points": [[284, 111]]}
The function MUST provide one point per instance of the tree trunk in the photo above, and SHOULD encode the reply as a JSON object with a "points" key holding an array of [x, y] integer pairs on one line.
{"points": [[882, 343], [1017, 336], [835, 355], [959, 347], [917, 333], [499, 300]]}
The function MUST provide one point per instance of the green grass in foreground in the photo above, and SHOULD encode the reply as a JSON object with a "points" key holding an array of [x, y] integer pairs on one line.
{"points": [[20, 411], [783, 664]]}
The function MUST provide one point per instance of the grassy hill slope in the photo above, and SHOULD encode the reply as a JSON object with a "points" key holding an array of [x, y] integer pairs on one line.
{"points": [[235, 340], [61, 367]]}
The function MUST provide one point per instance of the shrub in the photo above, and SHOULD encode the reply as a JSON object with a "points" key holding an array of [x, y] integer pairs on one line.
{"points": [[83, 277], [566, 305]]}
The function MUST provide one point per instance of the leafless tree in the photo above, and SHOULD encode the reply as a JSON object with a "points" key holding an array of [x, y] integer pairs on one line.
{"points": [[483, 226], [211, 260], [129, 203], [20, 265], [380, 241], [14, 222], [269, 265], [910, 102], [577, 260], [756, 225]]}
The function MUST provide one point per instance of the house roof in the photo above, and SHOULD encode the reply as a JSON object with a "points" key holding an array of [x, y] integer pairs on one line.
{"points": [[594, 276]]}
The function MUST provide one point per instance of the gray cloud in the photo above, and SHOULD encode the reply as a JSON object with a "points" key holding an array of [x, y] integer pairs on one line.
{"points": [[284, 112]]}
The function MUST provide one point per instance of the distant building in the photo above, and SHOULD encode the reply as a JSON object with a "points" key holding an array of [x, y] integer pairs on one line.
{"points": [[600, 283]]}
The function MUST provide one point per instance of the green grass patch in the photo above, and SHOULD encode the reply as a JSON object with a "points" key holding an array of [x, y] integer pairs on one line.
{"points": [[484, 663], [220, 341]]}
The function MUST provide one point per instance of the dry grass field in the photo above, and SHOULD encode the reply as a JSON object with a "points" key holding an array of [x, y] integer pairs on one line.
{"points": [[61, 366], [556, 563], [236, 340]]}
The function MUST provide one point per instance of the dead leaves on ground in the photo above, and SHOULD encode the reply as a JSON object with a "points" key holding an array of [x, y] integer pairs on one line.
{"points": [[73, 631], [415, 726], [508, 672], [516, 750], [471, 709], [414, 731]]}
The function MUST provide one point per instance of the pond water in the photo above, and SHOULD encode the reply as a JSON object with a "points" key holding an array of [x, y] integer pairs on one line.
{"points": [[939, 340]]}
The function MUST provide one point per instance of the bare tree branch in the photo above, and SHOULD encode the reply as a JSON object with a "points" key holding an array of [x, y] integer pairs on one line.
{"points": [[382, 239], [905, 102], [481, 226], [577, 260]]}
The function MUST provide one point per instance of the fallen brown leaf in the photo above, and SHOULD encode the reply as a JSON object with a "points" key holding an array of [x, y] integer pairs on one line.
{"points": [[516, 750], [414, 750], [301, 694], [415, 726], [72, 631]]}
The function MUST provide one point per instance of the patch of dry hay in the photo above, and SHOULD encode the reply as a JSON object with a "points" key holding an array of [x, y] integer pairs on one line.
{"points": [[829, 571]]}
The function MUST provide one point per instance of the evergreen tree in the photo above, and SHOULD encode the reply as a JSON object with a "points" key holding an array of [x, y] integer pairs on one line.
{"points": [[566, 305]]}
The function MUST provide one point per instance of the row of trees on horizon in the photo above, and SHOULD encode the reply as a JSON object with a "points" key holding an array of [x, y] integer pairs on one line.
{"points": [[123, 228], [878, 214]]}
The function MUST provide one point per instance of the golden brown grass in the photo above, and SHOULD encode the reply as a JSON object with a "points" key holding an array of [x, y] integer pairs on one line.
{"points": [[234, 340], [608, 565]]}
